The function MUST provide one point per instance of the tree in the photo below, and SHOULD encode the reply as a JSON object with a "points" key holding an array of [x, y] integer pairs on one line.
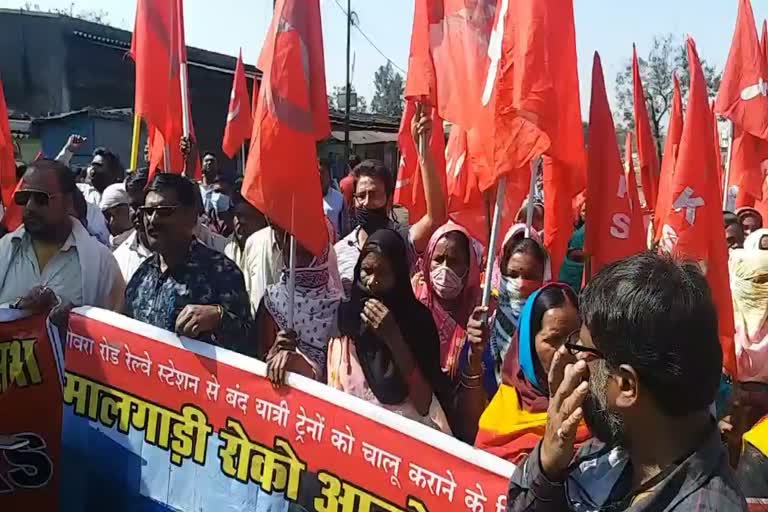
{"points": [[338, 93], [390, 86], [667, 54], [96, 16]]}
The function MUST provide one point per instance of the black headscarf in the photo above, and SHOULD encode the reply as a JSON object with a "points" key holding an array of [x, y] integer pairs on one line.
{"points": [[412, 317]]}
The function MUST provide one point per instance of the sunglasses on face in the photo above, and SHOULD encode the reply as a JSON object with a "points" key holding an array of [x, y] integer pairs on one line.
{"points": [[22, 197], [575, 347], [162, 212]]}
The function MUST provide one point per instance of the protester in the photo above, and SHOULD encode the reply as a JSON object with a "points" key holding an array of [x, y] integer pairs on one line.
{"points": [[303, 347], [90, 217], [104, 170], [115, 208], [347, 183], [52, 255], [749, 288], [449, 285], [134, 250], [642, 372], [185, 286], [333, 202], [572, 269], [247, 220], [373, 201], [219, 210], [750, 219], [522, 269], [734, 233], [389, 349], [203, 232], [538, 216], [515, 420]]}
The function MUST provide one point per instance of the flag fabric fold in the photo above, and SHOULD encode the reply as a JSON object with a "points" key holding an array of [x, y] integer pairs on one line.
{"points": [[743, 94], [239, 120], [646, 144], [671, 147], [614, 228], [158, 48], [11, 217], [693, 224], [282, 178]]}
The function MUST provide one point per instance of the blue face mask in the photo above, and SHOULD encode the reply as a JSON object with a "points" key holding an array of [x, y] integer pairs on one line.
{"points": [[219, 202]]}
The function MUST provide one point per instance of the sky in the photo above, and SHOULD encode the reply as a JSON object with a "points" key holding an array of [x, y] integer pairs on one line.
{"points": [[608, 26]]}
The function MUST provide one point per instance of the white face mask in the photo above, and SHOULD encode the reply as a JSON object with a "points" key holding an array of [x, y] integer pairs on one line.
{"points": [[446, 283]]}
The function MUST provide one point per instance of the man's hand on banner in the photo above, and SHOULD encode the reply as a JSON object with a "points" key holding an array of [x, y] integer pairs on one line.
{"points": [[280, 356], [39, 299], [195, 320]]}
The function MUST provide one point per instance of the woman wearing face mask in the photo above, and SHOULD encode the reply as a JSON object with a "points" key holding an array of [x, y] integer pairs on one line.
{"points": [[515, 419], [450, 288], [572, 269], [389, 350]]}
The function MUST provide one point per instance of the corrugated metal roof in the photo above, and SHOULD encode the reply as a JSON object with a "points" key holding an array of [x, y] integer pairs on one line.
{"points": [[362, 137]]}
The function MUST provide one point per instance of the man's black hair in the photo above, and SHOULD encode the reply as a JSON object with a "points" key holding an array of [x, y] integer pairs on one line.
{"points": [[187, 191], [80, 206], [211, 153], [137, 180], [375, 169], [63, 173], [731, 219], [111, 160], [657, 315]]}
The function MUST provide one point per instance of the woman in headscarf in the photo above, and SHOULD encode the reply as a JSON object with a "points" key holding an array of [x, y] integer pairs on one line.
{"points": [[572, 269], [450, 288], [515, 419], [750, 219], [389, 349], [522, 268], [316, 300]]}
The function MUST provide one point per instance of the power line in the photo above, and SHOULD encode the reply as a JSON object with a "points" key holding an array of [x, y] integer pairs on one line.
{"points": [[357, 26]]}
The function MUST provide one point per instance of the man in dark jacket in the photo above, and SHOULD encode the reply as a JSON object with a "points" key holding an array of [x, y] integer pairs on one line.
{"points": [[642, 373]]}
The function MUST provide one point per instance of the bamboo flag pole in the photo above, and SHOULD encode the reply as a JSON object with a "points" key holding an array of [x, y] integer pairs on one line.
{"points": [[496, 224], [135, 139], [534, 174], [728, 158]]}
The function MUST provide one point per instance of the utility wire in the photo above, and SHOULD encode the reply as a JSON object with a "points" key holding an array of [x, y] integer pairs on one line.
{"points": [[357, 26]]}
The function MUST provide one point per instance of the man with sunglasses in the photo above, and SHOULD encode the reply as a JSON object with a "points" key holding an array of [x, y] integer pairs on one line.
{"points": [[642, 372], [185, 286], [51, 258]]}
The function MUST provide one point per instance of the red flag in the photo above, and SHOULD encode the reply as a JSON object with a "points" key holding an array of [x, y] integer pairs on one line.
{"points": [[11, 218], [239, 121], [637, 224], [159, 49], [281, 177], [646, 144], [409, 189], [693, 225], [671, 146], [742, 96], [747, 155], [611, 233], [466, 204], [449, 44]]}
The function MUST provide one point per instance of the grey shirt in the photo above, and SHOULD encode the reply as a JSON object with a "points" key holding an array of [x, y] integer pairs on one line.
{"points": [[599, 477]]}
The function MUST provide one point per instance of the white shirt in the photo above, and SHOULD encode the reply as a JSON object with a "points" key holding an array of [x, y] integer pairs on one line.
{"points": [[61, 274], [130, 255], [263, 262], [92, 196], [333, 206], [97, 224]]}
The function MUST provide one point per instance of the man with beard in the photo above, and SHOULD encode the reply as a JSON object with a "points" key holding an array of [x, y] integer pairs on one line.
{"points": [[51, 258], [372, 208], [185, 286], [642, 372], [104, 170]]}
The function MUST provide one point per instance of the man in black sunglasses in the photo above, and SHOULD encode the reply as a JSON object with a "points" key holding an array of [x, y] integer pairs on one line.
{"points": [[184, 286], [44, 261], [642, 373]]}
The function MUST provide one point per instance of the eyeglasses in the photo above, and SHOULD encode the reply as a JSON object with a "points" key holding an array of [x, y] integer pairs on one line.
{"points": [[162, 212], [574, 346], [22, 197]]}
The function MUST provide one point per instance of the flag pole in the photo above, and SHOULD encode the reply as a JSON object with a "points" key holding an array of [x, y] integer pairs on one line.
{"points": [[529, 217], [135, 138], [500, 191], [291, 281], [242, 159], [184, 99], [167, 158], [728, 155]]}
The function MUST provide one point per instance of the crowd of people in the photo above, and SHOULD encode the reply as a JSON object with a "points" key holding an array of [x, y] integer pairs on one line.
{"points": [[608, 396]]}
